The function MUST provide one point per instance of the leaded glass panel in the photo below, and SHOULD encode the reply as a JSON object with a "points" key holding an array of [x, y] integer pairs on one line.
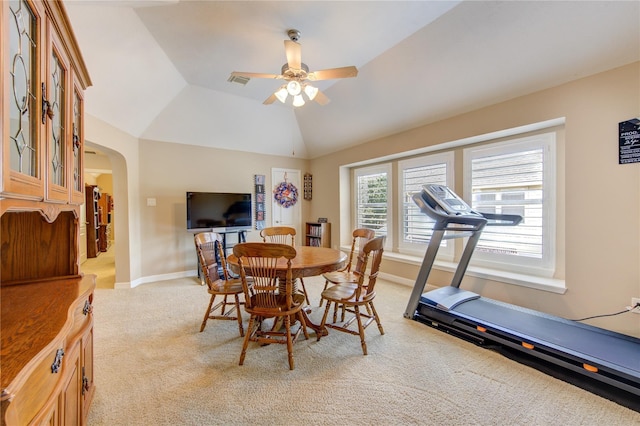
{"points": [[22, 122], [77, 122], [57, 141]]}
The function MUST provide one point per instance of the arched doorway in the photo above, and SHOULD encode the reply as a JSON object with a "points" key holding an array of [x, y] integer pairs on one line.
{"points": [[102, 168]]}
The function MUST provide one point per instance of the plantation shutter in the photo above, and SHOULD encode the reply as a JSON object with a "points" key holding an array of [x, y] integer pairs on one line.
{"points": [[417, 226], [372, 203], [510, 183]]}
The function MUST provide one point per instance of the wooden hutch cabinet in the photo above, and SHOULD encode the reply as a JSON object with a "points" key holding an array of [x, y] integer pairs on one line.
{"points": [[46, 312]]}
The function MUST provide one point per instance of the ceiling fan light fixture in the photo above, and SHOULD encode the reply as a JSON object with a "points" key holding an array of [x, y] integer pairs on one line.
{"points": [[281, 94], [310, 91], [295, 74], [298, 101], [293, 87]]}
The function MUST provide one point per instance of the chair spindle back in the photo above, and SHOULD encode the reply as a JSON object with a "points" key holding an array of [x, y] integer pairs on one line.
{"points": [[372, 251], [260, 260], [279, 235], [361, 237]]}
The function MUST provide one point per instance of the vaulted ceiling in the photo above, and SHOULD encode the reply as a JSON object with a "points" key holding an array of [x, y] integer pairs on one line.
{"points": [[160, 67]]}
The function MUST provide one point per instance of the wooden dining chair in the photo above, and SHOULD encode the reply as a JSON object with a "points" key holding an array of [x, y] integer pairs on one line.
{"points": [[283, 235], [267, 297], [352, 296], [219, 283], [350, 273]]}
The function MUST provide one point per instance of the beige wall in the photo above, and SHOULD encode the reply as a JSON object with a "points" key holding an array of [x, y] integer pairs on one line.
{"points": [[168, 171], [602, 251], [122, 150], [602, 246]]}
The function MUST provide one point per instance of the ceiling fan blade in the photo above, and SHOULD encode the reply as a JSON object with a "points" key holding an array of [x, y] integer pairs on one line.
{"points": [[254, 75], [329, 74], [294, 54], [321, 98], [270, 100]]}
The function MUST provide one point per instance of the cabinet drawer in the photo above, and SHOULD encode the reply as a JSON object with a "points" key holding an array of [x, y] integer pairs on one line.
{"points": [[38, 389], [82, 316]]}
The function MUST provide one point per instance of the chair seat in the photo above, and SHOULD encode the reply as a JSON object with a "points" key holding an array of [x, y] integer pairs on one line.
{"points": [[232, 286], [278, 310], [346, 294], [338, 277]]}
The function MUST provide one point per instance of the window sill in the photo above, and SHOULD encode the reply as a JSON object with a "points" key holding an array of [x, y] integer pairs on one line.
{"points": [[552, 285]]}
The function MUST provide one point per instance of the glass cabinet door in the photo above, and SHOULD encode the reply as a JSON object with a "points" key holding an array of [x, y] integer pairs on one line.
{"points": [[42, 83], [58, 122], [77, 146], [22, 147], [57, 154]]}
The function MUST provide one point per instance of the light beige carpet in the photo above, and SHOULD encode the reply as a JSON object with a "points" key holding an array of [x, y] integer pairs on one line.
{"points": [[154, 367]]}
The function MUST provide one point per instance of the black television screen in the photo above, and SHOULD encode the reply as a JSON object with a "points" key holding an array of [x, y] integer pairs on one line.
{"points": [[218, 210]]}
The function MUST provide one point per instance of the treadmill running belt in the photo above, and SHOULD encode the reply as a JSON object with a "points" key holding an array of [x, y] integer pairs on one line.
{"points": [[608, 348]]}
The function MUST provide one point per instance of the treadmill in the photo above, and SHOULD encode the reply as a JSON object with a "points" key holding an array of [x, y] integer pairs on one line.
{"points": [[607, 363]]}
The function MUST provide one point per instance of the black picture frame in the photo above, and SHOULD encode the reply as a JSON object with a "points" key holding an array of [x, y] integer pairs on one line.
{"points": [[260, 208]]}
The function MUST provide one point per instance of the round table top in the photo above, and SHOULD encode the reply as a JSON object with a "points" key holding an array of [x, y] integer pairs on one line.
{"points": [[309, 261]]}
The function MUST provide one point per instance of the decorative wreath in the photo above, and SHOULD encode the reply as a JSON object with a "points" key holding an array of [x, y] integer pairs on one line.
{"points": [[286, 194]]}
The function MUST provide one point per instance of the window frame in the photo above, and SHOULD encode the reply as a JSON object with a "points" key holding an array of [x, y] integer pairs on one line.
{"points": [[371, 170], [546, 265], [552, 281], [447, 247]]}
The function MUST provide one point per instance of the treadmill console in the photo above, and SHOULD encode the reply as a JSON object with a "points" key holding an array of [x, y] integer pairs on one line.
{"points": [[447, 200]]}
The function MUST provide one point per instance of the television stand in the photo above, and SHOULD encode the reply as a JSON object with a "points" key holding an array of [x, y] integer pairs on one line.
{"points": [[241, 237]]}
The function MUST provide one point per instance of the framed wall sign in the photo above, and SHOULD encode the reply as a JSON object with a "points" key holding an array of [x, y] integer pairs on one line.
{"points": [[629, 141], [259, 205], [308, 186]]}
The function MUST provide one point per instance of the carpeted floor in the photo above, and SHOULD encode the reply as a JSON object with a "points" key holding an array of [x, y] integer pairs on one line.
{"points": [[154, 367]]}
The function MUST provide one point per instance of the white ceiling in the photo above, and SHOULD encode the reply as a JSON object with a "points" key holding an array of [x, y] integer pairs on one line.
{"points": [[160, 67]]}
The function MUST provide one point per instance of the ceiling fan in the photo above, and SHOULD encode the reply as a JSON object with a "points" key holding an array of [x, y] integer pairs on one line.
{"points": [[297, 76]]}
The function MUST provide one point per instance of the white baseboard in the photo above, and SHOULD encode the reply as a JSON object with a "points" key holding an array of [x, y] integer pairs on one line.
{"points": [[185, 274], [155, 278], [400, 280]]}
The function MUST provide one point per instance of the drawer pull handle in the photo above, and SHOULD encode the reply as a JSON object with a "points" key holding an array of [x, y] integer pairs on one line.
{"points": [[85, 382], [55, 367], [87, 308]]}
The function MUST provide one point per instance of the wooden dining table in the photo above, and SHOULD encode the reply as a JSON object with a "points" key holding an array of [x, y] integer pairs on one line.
{"points": [[309, 262]]}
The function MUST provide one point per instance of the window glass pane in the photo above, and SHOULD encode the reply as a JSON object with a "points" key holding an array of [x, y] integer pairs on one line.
{"points": [[372, 202]]}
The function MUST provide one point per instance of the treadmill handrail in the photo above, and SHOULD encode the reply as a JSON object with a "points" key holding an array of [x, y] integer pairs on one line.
{"points": [[495, 219], [473, 218]]}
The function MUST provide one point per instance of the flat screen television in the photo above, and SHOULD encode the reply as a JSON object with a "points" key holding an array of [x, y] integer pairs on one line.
{"points": [[218, 210]]}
